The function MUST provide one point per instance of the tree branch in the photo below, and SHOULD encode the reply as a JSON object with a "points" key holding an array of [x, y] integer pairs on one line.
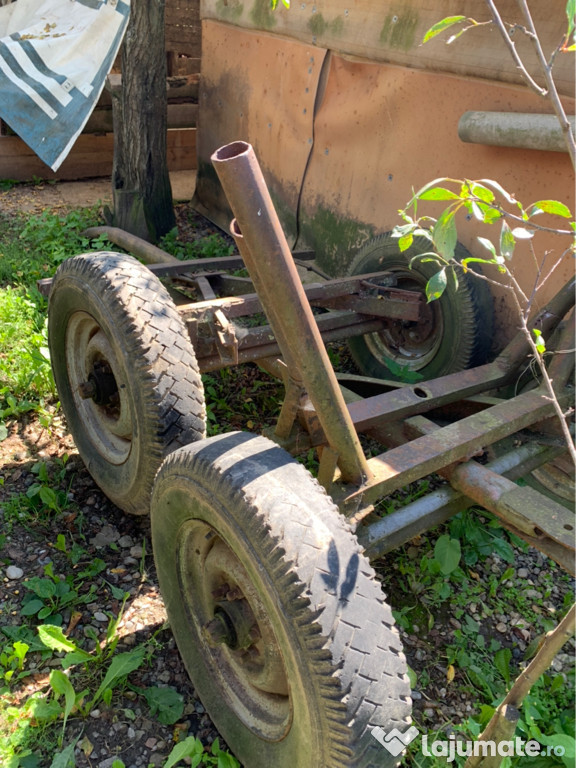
{"points": [[552, 90]]}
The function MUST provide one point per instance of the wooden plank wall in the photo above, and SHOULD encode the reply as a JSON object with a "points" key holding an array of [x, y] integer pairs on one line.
{"points": [[93, 152]]}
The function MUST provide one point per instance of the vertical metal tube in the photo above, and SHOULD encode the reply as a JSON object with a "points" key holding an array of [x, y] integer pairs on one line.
{"points": [[261, 242]]}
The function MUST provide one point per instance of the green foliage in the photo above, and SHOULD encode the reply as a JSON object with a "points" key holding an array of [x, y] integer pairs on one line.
{"points": [[193, 748], [485, 201], [46, 598], [212, 246], [42, 500], [31, 247], [165, 703]]}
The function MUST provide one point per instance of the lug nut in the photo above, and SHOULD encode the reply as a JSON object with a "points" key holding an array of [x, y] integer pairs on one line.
{"points": [[216, 632], [221, 591], [87, 390]]}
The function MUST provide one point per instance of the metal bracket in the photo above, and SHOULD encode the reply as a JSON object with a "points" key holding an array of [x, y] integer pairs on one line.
{"points": [[226, 340]]}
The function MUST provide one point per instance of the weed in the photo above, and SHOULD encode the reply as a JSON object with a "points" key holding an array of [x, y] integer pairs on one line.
{"points": [[212, 246], [46, 598]]}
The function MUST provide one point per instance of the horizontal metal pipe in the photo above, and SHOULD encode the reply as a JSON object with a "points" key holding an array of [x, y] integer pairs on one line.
{"points": [[440, 505], [260, 350], [150, 254], [514, 129]]}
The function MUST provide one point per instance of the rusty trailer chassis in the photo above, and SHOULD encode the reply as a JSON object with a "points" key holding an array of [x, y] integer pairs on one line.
{"points": [[436, 426], [278, 617]]}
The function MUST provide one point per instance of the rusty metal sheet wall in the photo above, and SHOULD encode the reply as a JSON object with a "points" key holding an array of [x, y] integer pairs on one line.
{"points": [[342, 143], [382, 131], [391, 31], [254, 88]]}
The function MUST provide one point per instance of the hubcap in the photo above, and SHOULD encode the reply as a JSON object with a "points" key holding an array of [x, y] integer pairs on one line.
{"points": [[234, 631]]}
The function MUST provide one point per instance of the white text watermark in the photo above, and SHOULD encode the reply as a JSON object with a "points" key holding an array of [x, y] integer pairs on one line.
{"points": [[396, 742]]}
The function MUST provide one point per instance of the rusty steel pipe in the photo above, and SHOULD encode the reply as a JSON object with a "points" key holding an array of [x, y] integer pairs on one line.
{"points": [[266, 254]]}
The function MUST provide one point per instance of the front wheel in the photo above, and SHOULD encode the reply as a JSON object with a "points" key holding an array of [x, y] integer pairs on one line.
{"points": [[125, 370], [455, 332], [277, 614]]}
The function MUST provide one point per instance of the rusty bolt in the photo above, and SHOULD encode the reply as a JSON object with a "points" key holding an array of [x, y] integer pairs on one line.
{"points": [[216, 632], [221, 591], [234, 594], [87, 390]]}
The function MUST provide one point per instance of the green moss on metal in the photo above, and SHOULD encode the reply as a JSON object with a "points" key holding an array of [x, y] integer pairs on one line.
{"points": [[334, 238], [399, 28], [262, 15], [229, 10], [318, 25], [337, 25]]}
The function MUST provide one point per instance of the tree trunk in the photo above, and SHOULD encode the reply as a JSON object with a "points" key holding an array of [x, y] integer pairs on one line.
{"points": [[140, 182]]}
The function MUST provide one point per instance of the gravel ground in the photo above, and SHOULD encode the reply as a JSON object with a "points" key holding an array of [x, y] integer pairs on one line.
{"points": [[126, 728]]}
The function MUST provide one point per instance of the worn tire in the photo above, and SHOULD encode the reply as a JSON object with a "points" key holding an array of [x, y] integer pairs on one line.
{"points": [[457, 332], [237, 510], [113, 328]]}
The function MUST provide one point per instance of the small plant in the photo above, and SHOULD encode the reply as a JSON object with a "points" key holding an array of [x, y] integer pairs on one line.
{"points": [[212, 246], [47, 597]]}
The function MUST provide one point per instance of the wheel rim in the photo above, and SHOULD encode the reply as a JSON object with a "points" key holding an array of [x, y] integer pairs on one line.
{"points": [[411, 345], [98, 387], [232, 629]]}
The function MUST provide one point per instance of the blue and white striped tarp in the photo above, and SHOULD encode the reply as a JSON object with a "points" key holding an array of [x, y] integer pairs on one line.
{"points": [[54, 58]]}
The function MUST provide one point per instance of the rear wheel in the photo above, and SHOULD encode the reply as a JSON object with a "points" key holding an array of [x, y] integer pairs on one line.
{"points": [[125, 370], [454, 334], [277, 614]]}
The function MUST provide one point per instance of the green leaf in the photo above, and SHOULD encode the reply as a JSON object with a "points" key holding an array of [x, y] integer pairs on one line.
{"points": [[502, 659], [507, 241], [120, 667], [447, 553], [166, 702], [225, 760], [436, 286], [190, 747], [479, 190], [487, 244], [570, 15], [539, 341], [405, 242], [44, 588], [55, 639], [499, 188], [565, 742], [48, 497], [445, 235], [440, 26], [64, 759], [31, 607], [503, 549], [521, 233], [438, 193], [550, 206], [426, 187], [61, 685]]}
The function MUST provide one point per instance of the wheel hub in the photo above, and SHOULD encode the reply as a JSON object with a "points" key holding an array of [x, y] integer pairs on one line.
{"points": [[233, 625], [101, 385]]}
